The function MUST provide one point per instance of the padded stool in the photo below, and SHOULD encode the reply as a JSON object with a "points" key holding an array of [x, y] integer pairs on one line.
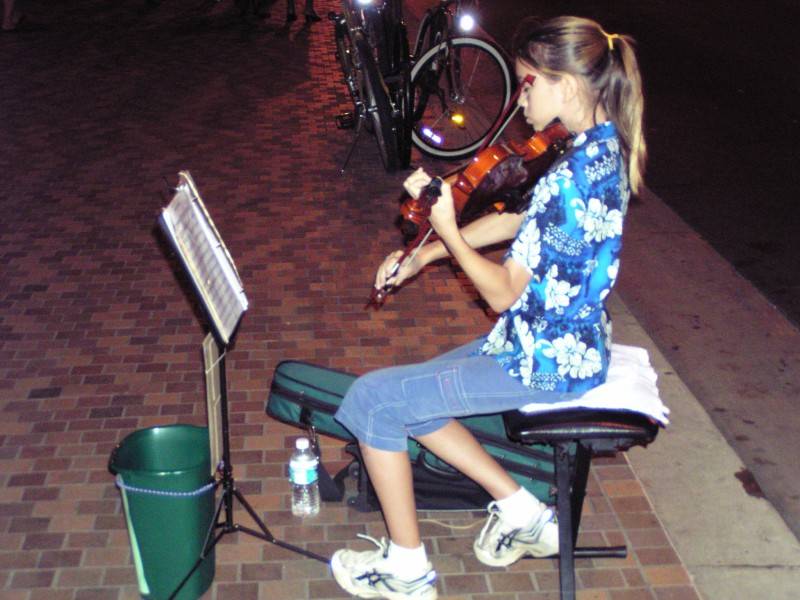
{"points": [[591, 432]]}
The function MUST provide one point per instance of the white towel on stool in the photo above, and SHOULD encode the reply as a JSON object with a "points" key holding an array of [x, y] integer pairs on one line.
{"points": [[630, 385]]}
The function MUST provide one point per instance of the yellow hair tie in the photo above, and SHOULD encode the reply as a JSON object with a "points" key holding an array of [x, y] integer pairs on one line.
{"points": [[610, 37]]}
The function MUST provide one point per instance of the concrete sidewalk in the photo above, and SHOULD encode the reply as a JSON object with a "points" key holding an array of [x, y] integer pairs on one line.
{"points": [[731, 538], [734, 545], [101, 104]]}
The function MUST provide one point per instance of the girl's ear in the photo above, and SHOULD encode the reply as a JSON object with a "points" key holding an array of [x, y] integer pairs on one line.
{"points": [[570, 87]]}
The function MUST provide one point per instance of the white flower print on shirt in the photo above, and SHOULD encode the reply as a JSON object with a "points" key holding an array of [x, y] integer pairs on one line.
{"points": [[539, 198], [497, 341], [527, 248], [528, 342], [521, 303], [607, 325], [612, 270], [560, 177], [592, 363], [557, 293], [526, 338], [525, 370], [597, 221], [575, 359]]}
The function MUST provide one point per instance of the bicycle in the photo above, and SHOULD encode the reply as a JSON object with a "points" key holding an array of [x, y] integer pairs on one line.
{"points": [[372, 50], [445, 98], [460, 84]]}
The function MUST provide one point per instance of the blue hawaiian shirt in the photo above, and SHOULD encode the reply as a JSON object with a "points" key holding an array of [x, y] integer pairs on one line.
{"points": [[557, 335]]}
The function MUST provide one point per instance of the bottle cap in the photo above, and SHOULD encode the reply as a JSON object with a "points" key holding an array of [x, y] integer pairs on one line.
{"points": [[301, 443]]}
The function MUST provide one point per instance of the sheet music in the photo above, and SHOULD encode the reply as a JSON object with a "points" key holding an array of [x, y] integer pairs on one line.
{"points": [[207, 259]]}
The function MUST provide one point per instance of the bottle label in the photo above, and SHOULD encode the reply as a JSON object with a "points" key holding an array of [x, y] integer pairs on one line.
{"points": [[302, 474]]}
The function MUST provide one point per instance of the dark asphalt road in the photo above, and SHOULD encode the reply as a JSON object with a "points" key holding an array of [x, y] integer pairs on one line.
{"points": [[722, 115]]}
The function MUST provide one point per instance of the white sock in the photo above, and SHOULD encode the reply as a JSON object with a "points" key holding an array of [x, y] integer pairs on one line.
{"points": [[520, 508], [407, 563]]}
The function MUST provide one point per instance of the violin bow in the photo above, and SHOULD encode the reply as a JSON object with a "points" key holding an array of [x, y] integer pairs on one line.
{"points": [[508, 113]]}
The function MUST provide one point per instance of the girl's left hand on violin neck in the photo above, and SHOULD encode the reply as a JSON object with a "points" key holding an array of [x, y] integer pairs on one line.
{"points": [[443, 214]]}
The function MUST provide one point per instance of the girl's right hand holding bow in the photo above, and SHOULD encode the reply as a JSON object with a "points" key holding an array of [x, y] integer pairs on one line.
{"points": [[401, 265], [393, 274]]}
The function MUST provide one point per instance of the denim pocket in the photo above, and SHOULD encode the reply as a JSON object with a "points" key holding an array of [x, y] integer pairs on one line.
{"points": [[436, 395]]}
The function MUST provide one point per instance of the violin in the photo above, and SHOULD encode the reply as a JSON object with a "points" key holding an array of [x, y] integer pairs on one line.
{"points": [[497, 177]]}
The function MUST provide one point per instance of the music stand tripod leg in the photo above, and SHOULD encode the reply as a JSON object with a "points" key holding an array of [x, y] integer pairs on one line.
{"points": [[265, 533]]}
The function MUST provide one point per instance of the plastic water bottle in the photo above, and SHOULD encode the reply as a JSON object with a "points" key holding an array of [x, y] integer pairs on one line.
{"points": [[303, 476]]}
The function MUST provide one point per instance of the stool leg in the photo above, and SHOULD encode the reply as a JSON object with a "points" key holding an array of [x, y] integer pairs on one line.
{"points": [[566, 536], [583, 459]]}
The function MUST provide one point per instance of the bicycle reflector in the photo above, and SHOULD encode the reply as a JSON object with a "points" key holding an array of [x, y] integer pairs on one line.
{"points": [[432, 135], [457, 119], [466, 22]]}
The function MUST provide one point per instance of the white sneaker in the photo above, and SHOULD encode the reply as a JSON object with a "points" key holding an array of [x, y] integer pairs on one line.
{"points": [[500, 544], [365, 575]]}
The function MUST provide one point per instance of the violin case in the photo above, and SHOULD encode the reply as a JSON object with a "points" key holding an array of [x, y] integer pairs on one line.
{"points": [[307, 396]]}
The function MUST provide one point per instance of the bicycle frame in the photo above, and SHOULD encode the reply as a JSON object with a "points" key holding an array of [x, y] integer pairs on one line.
{"points": [[437, 24], [435, 28], [373, 39]]}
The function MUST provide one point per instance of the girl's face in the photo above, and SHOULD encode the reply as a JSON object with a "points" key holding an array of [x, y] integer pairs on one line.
{"points": [[542, 100]]}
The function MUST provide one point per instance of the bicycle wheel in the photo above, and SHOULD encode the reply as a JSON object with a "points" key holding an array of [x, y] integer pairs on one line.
{"points": [[378, 107], [460, 89]]}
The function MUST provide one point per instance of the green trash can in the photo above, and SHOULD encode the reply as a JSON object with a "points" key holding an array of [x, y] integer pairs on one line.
{"points": [[164, 477]]}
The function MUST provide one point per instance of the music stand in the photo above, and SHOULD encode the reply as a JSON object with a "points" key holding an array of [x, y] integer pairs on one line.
{"points": [[210, 268]]}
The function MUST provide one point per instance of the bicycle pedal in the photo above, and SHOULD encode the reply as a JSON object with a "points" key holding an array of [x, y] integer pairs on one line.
{"points": [[346, 120]]}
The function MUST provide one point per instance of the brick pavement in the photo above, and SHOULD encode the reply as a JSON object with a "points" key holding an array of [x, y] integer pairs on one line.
{"points": [[101, 106]]}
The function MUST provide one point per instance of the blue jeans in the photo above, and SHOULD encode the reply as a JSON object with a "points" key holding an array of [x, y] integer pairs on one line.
{"points": [[385, 407]]}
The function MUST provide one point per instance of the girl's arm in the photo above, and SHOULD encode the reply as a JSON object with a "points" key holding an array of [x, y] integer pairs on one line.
{"points": [[500, 285], [489, 229]]}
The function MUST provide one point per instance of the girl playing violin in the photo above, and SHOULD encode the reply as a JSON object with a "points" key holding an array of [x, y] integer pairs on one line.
{"points": [[551, 341]]}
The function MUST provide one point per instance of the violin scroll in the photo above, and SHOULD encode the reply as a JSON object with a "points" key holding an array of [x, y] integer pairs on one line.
{"points": [[415, 211], [378, 296]]}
